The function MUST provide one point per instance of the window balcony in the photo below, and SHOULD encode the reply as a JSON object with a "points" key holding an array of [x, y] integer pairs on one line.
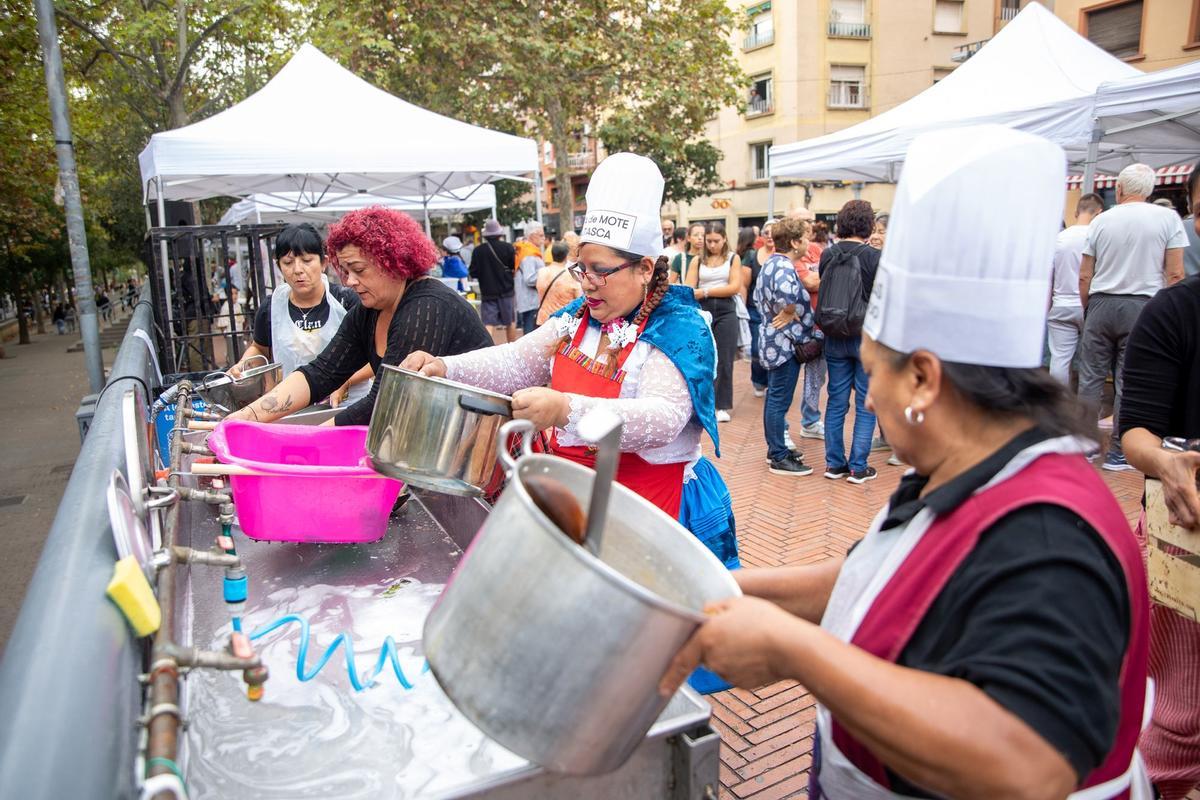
{"points": [[756, 39], [965, 51], [849, 30], [847, 95], [758, 107], [581, 162]]}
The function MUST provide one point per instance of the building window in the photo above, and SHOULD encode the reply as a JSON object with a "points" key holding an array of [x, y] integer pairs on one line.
{"points": [[939, 73], [848, 19], [948, 16], [1194, 27], [1008, 11], [760, 161], [847, 86], [762, 96], [762, 27], [1116, 28]]}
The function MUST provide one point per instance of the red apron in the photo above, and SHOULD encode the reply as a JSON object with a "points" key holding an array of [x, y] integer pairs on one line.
{"points": [[574, 372]]}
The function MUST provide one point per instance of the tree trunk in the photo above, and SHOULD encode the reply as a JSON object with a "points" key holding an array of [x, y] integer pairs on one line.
{"points": [[560, 140], [22, 320], [39, 315]]}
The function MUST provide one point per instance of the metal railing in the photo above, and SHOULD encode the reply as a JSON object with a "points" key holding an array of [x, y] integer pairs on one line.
{"points": [[1009, 13], [757, 38], [965, 51], [759, 106], [847, 95], [69, 693], [581, 162], [849, 30]]}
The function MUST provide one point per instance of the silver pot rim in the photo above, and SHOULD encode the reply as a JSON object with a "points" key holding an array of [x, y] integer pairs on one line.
{"points": [[609, 573], [462, 387]]}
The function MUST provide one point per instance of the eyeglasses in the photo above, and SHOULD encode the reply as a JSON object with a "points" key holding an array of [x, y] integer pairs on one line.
{"points": [[598, 277]]}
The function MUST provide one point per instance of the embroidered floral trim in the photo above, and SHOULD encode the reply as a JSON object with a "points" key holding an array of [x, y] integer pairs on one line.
{"points": [[620, 333], [567, 325]]}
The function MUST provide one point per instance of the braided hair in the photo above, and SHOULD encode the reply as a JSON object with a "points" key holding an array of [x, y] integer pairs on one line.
{"points": [[655, 291]]}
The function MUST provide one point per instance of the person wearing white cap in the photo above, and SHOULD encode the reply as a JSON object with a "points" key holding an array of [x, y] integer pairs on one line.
{"points": [[634, 344], [988, 636], [453, 267]]}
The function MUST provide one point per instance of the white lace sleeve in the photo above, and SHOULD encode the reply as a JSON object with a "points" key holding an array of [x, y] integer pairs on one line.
{"points": [[654, 417], [508, 367]]}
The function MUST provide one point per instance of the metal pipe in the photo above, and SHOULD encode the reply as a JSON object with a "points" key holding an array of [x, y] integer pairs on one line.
{"points": [[1093, 151], [771, 198], [168, 289], [208, 558], [194, 657], [64, 148]]}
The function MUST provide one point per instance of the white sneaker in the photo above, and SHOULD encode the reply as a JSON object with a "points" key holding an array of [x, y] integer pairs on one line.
{"points": [[723, 415], [895, 462], [787, 441], [759, 392], [814, 431]]}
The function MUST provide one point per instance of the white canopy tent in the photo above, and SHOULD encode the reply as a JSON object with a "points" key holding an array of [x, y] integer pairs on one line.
{"points": [[1036, 75], [363, 139], [1152, 118], [291, 207]]}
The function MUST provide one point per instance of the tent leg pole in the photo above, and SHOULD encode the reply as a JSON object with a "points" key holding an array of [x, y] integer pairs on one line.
{"points": [[166, 262], [1089, 168], [537, 197], [771, 198]]}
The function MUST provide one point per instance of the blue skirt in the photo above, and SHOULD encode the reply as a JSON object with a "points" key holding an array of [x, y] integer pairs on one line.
{"points": [[706, 509]]}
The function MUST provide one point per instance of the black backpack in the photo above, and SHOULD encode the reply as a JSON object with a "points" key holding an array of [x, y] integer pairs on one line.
{"points": [[841, 308]]}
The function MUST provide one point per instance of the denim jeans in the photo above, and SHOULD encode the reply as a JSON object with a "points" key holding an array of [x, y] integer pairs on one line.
{"points": [[758, 373], [846, 370], [781, 386]]}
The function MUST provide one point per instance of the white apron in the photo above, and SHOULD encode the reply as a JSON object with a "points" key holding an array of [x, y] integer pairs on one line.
{"points": [[868, 569], [292, 348]]}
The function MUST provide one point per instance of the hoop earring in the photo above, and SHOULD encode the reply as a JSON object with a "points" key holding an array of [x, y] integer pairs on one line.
{"points": [[913, 418]]}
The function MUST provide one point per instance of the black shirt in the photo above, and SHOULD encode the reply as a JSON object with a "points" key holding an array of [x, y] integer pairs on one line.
{"points": [[1162, 364], [493, 264], [868, 260], [1036, 616], [431, 317], [750, 259], [305, 319]]}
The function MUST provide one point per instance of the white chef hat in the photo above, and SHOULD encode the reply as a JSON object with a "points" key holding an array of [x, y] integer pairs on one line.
{"points": [[965, 271], [624, 198]]}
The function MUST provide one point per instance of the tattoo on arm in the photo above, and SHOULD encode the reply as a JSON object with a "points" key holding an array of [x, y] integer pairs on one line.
{"points": [[269, 403]]}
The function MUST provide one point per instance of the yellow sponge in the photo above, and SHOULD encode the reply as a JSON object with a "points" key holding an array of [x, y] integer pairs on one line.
{"points": [[130, 590]]}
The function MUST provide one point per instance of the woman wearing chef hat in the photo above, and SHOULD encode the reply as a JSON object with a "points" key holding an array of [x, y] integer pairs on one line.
{"points": [[988, 636], [633, 344]]}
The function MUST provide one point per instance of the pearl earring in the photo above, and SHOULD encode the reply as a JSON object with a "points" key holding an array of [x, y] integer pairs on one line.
{"points": [[913, 417]]}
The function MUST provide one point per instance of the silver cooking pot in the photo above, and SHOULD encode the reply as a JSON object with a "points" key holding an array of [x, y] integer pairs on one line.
{"points": [[556, 653], [232, 393], [434, 433]]}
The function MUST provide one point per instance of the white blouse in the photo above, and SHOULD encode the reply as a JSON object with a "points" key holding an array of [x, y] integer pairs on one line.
{"points": [[714, 277], [654, 402]]}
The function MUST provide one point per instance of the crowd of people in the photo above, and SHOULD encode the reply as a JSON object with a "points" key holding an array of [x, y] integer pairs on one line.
{"points": [[984, 375]]}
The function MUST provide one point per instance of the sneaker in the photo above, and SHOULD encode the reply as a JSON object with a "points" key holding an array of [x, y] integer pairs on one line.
{"points": [[1115, 462], [837, 473], [790, 466], [868, 474], [759, 392], [814, 431], [796, 454], [879, 443], [723, 415], [894, 461], [787, 441]]}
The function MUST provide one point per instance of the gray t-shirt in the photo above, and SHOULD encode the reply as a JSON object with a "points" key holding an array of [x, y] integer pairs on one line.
{"points": [[1191, 256], [1129, 242], [525, 285]]}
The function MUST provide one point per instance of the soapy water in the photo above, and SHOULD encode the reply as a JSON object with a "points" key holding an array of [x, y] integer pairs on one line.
{"points": [[314, 734]]}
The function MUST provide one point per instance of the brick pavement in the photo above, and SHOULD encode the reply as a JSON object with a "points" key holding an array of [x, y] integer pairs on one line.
{"points": [[767, 733]]}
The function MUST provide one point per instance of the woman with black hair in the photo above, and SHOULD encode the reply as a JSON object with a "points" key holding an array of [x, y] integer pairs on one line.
{"points": [[715, 277], [988, 636], [750, 269], [304, 312]]}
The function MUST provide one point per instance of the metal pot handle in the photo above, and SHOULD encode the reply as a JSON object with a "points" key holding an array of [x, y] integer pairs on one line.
{"points": [[517, 427], [481, 405], [255, 357]]}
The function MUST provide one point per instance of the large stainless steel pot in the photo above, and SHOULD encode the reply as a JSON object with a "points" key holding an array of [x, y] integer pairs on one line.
{"points": [[235, 393], [434, 433], [556, 653]]}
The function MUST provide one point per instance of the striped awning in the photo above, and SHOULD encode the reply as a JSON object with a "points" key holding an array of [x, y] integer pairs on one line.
{"points": [[1164, 176]]}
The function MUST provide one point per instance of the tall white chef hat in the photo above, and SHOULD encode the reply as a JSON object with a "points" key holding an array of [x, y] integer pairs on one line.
{"points": [[965, 271], [624, 199]]}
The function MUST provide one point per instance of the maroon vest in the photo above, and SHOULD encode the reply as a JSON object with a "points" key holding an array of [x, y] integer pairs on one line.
{"points": [[1063, 480]]}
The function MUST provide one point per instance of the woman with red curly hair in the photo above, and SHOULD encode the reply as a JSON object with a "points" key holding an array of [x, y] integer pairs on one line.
{"points": [[385, 257]]}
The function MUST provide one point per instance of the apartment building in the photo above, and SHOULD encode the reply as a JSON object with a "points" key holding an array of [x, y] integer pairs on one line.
{"points": [[817, 66]]}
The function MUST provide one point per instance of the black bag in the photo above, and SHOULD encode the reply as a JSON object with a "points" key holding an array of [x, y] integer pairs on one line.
{"points": [[810, 350], [841, 308]]}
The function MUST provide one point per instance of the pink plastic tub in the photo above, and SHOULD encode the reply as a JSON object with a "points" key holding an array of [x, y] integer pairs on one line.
{"points": [[316, 488]]}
